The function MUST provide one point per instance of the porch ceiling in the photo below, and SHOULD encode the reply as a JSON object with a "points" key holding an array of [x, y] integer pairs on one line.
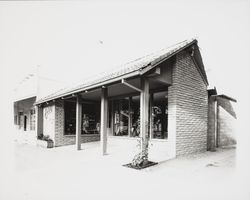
{"points": [[119, 89]]}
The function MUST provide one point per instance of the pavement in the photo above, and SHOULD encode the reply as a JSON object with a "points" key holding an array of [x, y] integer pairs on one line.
{"points": [[65, 173]]}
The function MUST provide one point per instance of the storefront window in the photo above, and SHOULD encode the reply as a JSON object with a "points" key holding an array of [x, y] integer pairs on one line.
{"points": [[135, 107], [160, 115], [90, 118], [121, 117], [126, 116], [32, 119], [70, 118]]}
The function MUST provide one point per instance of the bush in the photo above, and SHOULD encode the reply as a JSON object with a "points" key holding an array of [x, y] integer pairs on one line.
{"points": [[44, 137]]}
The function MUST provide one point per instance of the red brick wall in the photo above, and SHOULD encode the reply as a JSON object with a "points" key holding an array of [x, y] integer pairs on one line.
{"points": [[189, 106]]}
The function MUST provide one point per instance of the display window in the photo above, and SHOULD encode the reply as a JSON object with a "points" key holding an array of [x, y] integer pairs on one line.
{"points": [[159, 115], [90, 118], [32, 119], [121, 117], [126, 113]]}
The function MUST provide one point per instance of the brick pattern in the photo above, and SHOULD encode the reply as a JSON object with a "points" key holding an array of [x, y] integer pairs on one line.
{"points": [[60, 138], [188, 100]]}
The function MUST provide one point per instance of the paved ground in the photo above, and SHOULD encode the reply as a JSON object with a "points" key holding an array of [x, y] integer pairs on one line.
{"points": [[64, 173]]}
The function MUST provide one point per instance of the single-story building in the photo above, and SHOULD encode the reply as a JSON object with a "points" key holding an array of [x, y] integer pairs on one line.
{"points": [[162, 96]]}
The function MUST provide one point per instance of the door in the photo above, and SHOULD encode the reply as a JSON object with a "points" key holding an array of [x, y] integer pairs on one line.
{"points": [[25, 123]]}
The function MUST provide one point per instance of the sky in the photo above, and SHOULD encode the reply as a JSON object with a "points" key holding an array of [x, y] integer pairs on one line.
{"points": [[73, 40]]}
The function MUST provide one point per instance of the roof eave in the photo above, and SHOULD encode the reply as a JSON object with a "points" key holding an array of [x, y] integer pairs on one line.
{"points": [[91, 87]]}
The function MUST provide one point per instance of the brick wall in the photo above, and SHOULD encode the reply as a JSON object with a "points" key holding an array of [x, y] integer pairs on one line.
{"points": [[188, 106], [60, 138]]}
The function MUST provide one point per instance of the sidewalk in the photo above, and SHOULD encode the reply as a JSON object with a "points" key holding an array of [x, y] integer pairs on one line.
{"points": [[64, 173]]}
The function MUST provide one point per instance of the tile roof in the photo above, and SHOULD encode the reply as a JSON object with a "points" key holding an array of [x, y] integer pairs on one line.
{"points": [[128, 68]]}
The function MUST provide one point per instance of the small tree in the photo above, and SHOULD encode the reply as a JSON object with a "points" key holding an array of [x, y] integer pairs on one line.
{"points": [[141, 157]]}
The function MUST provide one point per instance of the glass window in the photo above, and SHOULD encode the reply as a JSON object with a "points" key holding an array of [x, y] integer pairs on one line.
{"points": [[121, 117], [126, 116], [32, 119], [135, 109], [90, 118], [160, 115], [70, 118]]}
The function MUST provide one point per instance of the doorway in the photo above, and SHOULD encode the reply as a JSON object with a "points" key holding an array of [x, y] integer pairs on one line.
{"points": [[25, 123]]}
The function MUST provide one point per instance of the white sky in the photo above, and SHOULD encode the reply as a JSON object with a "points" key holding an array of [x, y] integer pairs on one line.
{"points": [[64, 38]]}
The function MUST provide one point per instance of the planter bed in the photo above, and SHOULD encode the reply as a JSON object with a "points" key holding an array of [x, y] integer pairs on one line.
{"points": [[45, 144], [148, 164]]}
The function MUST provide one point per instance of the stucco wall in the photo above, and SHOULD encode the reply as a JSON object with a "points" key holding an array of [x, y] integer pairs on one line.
{"points": [[49, 120], [226, 124]]}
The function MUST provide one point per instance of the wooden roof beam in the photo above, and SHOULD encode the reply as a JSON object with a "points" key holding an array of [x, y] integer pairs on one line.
{"points": [[131, 86]]}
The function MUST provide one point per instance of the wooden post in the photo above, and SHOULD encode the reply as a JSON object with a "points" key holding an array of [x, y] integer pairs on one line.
{"points": [[78, 122], [112, 117], [144, 111], [151, 118], [129, 116], [211, 124], [104, 116], [39, 120]]}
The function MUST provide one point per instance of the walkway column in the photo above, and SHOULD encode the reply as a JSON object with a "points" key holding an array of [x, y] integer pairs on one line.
{"points": [[151, 118], [129, 116], [78, 122], [39, 120], [104, 117], [144, 110], [211, 138]]}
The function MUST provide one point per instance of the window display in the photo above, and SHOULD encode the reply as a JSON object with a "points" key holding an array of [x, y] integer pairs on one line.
{"points": [[160, 115], [32, 119], [121, 117], [126, 115], [90, 118]]}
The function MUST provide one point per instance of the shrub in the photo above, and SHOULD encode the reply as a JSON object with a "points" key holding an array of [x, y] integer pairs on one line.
{"points": [[44, 137], [142, 157]]}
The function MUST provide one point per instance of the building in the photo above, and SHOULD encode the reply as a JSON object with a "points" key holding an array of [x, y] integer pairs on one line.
{"points": [[222, 120], [162, 96], [27, 91], [24, 109]]}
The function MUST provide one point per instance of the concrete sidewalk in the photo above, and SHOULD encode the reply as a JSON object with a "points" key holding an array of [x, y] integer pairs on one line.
{"points": [[64, 173]]}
